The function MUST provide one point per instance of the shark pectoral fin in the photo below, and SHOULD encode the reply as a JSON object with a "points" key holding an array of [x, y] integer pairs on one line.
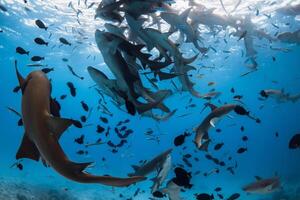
{"points": [[28, 149], [214, 121], [58, 125], [190, 60], [187, 68], [204, 146], [114, 46]]}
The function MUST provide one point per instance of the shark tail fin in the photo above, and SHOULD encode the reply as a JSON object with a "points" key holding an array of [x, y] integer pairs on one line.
{"points": [[143, 107]]}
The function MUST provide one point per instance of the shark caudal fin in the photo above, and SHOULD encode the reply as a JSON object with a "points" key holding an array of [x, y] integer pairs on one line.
{"points": [[143, 107]]}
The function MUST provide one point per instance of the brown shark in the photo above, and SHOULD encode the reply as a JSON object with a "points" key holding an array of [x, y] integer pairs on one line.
{"points": [[42, 132], [202, 139], [263, 186]]}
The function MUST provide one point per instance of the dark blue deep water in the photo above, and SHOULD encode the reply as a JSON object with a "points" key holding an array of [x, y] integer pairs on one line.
{"points": [[224, 68]]}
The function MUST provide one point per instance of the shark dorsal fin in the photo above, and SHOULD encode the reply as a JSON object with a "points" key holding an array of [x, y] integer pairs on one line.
{"points": [[258, 178], [28, 149], [58, 125], [22, 81], [184, 15]]}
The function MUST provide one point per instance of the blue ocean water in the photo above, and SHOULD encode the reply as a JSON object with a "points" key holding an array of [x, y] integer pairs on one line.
{"points": [[221, 68]]}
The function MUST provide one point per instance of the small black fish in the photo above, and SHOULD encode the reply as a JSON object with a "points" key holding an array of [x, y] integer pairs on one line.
{"points": [[158, 194], [21, 51], [277, 134], [40, 41], [72, 88], [126, 121], [179, 140], [20, 166], [222, 163], [41, 24], [64, 41], [100, 129], [47, 70], [16, 89], [232, 90], [273, 58], [37, 58], [218, 130], [83, 118], [104, 120], [218, 146], [208, 156], [4, 9], [218, 189], [81, 152], [237, 96], [20, 122], [183, 178], [79, 140], [295, 142], [63, 96], [84, 106], [241, 150], [187, 155], [242, 128], [123, 128], [234, 196], [204, 196], [245, 138]]}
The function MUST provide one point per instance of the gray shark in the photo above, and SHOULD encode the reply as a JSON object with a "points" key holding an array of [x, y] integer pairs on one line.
{"points": [[179, 22], [172, 190], [109, 87], [42, 132], [162, 174], [152, 165], [290, 37], [180, 64]]}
